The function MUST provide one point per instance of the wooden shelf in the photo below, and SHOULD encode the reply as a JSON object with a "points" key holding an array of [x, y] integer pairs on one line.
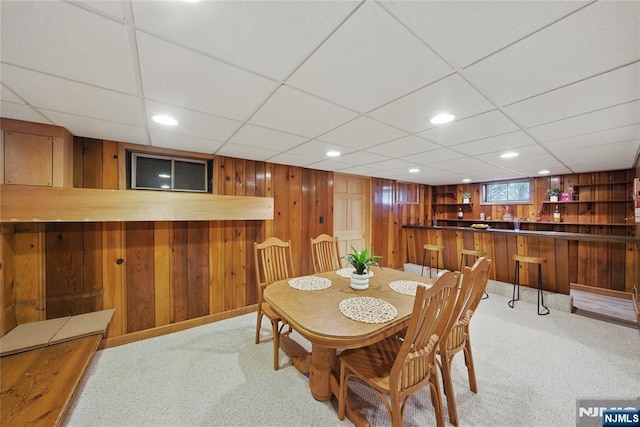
{"points": [[601, 183], [19, 203], [523, 223], [547, 202]]}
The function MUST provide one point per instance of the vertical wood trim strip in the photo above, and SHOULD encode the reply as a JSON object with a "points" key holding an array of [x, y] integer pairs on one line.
{"points": [[162, 273]]}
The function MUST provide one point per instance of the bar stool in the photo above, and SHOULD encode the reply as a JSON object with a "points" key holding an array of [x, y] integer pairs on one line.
{"points": [[439, 250], [464, 259], [516, 281]]}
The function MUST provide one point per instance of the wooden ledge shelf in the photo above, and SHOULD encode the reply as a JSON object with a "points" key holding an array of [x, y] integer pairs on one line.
{"points": [[20, 203]]}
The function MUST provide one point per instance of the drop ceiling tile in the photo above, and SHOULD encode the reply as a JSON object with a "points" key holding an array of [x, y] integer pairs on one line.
{"points": [[524, 153], [184, 78], [414, 111], [246, 152], [330, 165], [287, 158], [361, 158], [403, 147], [607, 118], [176, 141], [464, 32], [18, 111], [361, 170], [256, 136], [88, 127], [600, 37], [461, 165], [606, 90], [601, 157], [318, 149], [191, 123], [7, 94], [53, 93], [431, 157], [362, 132], [270, 38], [477, 127], [495, 144], [370, 50], [67, 41], [605, 137], [109, 7], [292, 111], [393, 164]]}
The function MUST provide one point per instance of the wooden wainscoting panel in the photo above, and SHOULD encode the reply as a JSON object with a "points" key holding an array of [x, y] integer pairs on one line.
{"points": [[216, 267], [29, 272], [140, 284], [114, 292], [179, 271], [162, 268], [198, 269], [64, 269]]}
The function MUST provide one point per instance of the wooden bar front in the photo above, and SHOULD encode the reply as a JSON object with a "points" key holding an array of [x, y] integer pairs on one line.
{"points": [[609, 262]]}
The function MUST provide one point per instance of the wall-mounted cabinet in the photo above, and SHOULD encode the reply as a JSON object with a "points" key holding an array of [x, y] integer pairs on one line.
{"points": [[35, 154]]}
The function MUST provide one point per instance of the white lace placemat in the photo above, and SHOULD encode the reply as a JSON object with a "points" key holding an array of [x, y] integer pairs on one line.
{"points": [[310, 283], [407, 287], [346, 272], [368, 309]]}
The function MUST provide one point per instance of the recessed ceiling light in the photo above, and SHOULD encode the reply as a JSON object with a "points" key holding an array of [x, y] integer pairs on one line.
{"points": [[466, 180], [442, 118], [543, 172], [414, 170], [508, 155], [165, 120], [333, 153]]}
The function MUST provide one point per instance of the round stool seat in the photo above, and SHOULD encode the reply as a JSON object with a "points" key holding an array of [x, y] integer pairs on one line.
{"points": [[473, 252], [529, 259], [429, 247]]}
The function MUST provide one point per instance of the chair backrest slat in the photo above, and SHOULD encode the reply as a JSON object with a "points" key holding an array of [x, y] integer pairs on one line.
{"points": [[431, 313], [325, 253], [274, 262]]}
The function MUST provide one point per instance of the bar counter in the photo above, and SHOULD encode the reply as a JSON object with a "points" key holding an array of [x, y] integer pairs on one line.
{"points": [[595, 260]]}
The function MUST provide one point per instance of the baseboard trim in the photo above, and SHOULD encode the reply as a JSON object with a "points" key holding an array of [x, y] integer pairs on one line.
{"points": [[174, 327]]}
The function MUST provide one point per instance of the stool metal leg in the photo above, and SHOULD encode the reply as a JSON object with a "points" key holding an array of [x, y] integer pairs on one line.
{"points": [[424, 258], [516, 283], [540, 294]]}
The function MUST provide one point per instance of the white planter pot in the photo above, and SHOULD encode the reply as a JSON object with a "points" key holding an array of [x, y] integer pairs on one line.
{"points": [[553, 198], [466, 201], [360, 282]]}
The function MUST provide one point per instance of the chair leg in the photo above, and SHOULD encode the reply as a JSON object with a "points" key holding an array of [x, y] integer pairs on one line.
{"points": [[447, 383], [471, 369], [258, 325], [436, 397], [276, 346], [516, 283], [342, 394], [540, 294]]}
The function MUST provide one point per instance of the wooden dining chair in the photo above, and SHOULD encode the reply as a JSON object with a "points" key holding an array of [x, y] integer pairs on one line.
{"points": [[325, 254], [474, 281], [273, 263], [399, 367]]}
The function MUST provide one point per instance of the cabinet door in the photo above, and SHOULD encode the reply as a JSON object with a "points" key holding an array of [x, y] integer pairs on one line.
{"points": [[28, 159]]}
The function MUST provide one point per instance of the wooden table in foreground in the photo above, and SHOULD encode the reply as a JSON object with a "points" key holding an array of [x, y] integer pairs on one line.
{"points": [[315, 315]]}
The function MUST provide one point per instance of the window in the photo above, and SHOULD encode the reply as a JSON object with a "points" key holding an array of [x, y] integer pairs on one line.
{"points": [[507, 192], [151, 172]]}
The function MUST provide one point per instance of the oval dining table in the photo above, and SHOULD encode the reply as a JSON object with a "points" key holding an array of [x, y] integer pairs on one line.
{"points": [[315, 315]]}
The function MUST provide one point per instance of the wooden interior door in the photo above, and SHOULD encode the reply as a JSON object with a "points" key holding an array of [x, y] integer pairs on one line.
{"points": [[351, 209]]}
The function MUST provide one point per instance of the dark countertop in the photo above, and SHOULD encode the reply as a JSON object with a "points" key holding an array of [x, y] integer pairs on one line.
{"points": [[552, 234]]}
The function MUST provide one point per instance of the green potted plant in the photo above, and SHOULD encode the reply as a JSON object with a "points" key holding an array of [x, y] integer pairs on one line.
{"points": [[553, 194], [362, 261], [466, 197]]}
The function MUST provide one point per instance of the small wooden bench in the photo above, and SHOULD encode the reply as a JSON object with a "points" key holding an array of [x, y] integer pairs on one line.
{"points": [[38, 387], [44, 363]]}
